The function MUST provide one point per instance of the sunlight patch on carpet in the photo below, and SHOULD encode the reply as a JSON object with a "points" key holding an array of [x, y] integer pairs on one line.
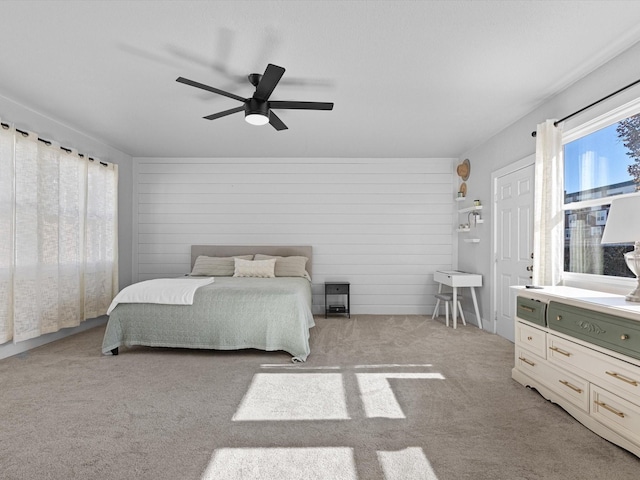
{"points": [[294, 396], [336, 463], [377, 395], [297, 367], [396, 365], [408, 464]]}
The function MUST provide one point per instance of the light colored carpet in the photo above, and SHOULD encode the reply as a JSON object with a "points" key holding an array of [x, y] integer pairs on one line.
{"points": [[380, 397]]}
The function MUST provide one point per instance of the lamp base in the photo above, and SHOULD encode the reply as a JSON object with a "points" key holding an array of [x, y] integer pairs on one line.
{"points": [[633, 262], [634, 296]]}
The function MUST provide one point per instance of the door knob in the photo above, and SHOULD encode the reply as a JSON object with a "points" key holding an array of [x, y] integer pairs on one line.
{"points": [[530, 268]]}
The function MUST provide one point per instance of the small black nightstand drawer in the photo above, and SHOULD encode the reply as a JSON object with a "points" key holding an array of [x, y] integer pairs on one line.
{"points": [[336, 288]]}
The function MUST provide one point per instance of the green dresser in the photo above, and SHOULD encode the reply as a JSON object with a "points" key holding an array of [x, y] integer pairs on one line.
{"points": [[615, 333], [531, 310]]}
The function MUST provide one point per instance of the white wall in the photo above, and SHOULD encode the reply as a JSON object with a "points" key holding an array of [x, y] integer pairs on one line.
{"points": [[27, 119], [515, 142], [382, 224]]}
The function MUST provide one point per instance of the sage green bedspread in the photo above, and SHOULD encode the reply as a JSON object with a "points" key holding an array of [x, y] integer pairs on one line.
{"points": [[231, 313]]}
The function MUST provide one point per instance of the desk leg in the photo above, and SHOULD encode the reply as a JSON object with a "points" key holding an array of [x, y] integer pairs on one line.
{"points": [[455, 307], [435, 309], [475, 306]]}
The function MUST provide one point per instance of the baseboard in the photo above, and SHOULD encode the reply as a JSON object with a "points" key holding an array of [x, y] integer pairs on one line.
{"points": [[10, 349]]}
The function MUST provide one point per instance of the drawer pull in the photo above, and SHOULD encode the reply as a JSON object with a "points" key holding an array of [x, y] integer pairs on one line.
{"points": [[624, 336], [527, 361], [528, 309], [561, 352], [559, 317], [611, 409], [623, 378], [572, 387], [529, 338]]}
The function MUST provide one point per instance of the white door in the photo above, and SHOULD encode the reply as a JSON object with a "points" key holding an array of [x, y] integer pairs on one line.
{"points": [[513, 242]]}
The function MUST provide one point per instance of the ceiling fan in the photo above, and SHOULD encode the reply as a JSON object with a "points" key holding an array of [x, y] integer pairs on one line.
{"points": [[258, 109]]}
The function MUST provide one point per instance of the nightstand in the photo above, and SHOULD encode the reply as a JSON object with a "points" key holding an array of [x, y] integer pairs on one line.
{"points": [[337, 288]]}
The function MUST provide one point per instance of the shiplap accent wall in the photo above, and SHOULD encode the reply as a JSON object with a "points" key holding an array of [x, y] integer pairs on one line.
{"points": [[384, 225]]}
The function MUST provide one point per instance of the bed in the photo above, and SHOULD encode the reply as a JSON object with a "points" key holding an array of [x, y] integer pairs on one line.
{"points": [[231, 313]]}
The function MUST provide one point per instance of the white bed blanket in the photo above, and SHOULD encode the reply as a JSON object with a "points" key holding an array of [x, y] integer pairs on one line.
{"points": [[167, 291]]}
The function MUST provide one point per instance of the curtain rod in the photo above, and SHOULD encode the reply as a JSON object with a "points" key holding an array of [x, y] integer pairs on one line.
{"points": [[6, 126], [533, 134]]}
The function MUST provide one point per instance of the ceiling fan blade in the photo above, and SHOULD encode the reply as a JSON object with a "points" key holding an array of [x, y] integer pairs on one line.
{"points": [[268, 82], [213, 116], [301, 105], [276, 123], [186, 81]]}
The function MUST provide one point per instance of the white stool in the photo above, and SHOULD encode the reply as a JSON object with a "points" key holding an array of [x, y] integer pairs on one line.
{"points": [[447, 298]]}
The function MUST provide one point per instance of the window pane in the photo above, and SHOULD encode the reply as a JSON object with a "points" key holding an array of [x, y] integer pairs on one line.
{"points": [[600, 165], [583, 252], [603, 163]]}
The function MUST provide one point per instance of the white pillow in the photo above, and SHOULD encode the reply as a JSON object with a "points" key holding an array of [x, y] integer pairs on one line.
{"points": [[255, 268], [293, 266]]}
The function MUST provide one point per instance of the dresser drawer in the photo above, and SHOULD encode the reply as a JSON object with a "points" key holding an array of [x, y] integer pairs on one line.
{"points": [[528, 362], [616, 413], [622, 377], [531, 310], [531, 338], [615, 333], [570, 387]]}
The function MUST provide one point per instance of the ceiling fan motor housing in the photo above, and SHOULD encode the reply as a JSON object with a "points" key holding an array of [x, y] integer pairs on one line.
{"points": [[253, 106]]}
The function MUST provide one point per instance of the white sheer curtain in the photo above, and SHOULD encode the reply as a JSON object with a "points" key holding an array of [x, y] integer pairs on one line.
{"points": [[548, 233], [101, 252], [61, 249], [6, 233]]}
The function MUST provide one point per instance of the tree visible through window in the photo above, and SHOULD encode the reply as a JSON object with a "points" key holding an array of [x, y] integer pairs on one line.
{"points": [[629, 131], [598, 166]]}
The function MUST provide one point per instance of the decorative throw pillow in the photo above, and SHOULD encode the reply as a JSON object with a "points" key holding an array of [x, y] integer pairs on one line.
{"points": [[216, 266], [293, 266], [255, 268]]}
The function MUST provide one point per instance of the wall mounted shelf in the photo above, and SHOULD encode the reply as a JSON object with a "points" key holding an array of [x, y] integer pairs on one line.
{"points": [[469, 226], [470, 209]]}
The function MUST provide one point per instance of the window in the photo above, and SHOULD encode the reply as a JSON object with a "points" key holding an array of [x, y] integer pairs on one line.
{"points": [[601, 160]]}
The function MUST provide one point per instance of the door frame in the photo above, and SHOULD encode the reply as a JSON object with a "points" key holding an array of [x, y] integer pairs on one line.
{"points": [[495, 175]]}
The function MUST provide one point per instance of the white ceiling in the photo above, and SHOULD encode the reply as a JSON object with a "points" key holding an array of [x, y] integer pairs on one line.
{"points": [[408, 78]]}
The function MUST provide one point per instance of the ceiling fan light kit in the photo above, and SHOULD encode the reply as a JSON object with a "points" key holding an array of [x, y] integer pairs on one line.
{"points": [[256, 118], [258, 108], [256, 112]]}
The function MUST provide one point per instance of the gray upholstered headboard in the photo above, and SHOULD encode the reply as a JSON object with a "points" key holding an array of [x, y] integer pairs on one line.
{"points": [[231, 250]]}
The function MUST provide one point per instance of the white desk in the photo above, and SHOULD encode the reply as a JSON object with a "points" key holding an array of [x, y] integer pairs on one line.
{"points": [[456, 279]]}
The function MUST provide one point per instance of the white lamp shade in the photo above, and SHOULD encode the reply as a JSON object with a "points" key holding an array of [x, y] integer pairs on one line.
{"points": [[623, 221]]}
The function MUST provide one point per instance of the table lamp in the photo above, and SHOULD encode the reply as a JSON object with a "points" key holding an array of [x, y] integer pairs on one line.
{"points": [[623, 226]]}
